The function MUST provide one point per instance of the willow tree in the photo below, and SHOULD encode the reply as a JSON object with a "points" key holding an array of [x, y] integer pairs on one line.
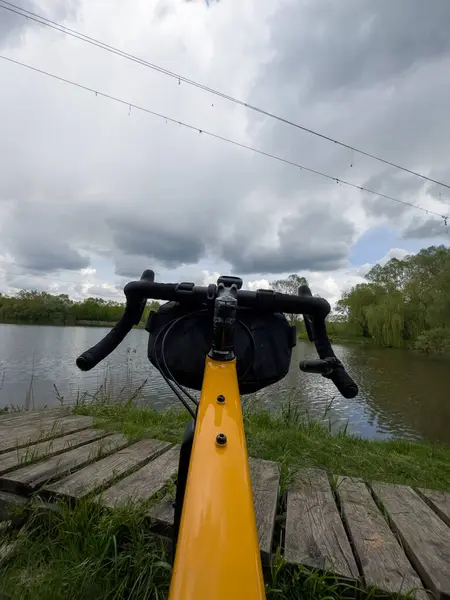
{"points": [[386, 320]]}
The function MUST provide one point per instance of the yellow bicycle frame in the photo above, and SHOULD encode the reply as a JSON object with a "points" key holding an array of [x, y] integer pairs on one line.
{"points": [[217, 554]]}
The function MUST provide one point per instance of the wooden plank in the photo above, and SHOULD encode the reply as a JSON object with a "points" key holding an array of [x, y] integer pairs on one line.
{"points": [[315, 534], [425, 538], [99, 474], [439, 502], [144, 483], [381, 558], [265, 477], [27, 479], [9, 419], [162, 514], [9, 504], [12, 438], [21, 428], [20, 457]]}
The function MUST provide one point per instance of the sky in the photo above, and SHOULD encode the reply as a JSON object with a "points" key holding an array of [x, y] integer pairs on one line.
{"points": [[93, 191]]}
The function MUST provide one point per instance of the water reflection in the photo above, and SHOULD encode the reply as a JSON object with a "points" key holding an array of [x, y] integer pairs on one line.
{"points": [[401, 393]]}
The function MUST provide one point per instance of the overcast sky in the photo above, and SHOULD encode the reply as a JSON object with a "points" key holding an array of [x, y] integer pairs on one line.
{"points": [[92, 192]]}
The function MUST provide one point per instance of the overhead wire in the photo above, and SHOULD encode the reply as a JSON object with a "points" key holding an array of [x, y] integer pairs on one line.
{"points": [[14, 8], [205, 132]]}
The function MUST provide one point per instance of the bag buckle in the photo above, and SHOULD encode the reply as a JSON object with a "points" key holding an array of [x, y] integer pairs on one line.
{"points": [[265, 300], [184, 288]]}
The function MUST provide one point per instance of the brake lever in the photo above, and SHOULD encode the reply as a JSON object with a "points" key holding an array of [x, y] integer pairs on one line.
{"points": [[324, 366]]}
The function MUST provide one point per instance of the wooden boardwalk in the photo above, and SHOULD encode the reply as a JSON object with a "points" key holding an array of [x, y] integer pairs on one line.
{"points": [[388, 536]]}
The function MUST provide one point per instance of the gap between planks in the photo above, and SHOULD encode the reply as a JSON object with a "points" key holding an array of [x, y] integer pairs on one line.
{"points": [[425, 537], [12, 438], [315, 535], [104, 472], [265, 476], [379, 555], [30, 478], [23, 456]]}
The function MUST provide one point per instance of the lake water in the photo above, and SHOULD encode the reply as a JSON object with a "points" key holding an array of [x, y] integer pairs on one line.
{"points": [[401, 393]]}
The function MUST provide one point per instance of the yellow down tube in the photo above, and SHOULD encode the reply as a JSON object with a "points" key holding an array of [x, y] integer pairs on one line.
{"points": [[217, 556]]}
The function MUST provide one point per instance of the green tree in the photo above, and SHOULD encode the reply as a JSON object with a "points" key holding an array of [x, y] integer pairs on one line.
{"points": [[289, 286], [404, 301]]}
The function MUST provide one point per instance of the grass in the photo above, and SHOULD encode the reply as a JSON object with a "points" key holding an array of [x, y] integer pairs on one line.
{"points": [[87, 552], [287, 436]]}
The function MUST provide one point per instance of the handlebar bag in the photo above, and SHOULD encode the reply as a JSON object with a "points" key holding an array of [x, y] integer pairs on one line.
{"points": [[187, 331]]}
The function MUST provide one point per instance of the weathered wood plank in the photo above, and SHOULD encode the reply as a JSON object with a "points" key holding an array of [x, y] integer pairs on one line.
{"points": [[144, 483], [424, 536], [380, 556], [15, 418], [439, 502], [27, 479], [17, 429], [162, 514], [12, 437], [99, 474], [9, 503], [17, 458], [265, 477], [315, 534]]}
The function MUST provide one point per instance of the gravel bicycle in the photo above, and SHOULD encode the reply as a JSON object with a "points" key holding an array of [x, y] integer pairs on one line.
{"points": [[224, 341]]}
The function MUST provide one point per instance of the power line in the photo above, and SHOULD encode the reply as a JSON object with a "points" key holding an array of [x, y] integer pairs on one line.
{"points": [[95, 42], [131, 105]]}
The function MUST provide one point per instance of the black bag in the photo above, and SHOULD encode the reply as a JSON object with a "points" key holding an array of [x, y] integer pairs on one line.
{"points": [[189, 340]]}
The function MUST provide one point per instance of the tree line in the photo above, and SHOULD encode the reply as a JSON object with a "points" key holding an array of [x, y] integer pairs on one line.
{"points": [[403, 303], [41, 307]]}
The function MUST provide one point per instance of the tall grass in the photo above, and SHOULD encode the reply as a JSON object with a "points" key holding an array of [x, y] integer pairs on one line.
{"points": [[85, 553]]}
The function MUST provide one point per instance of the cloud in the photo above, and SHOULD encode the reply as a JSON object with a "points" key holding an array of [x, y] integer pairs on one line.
{"points": [[399, 253], [430, 229], [358, 43], [168, 247], [12, 26], [87, 183], [304, 241]]}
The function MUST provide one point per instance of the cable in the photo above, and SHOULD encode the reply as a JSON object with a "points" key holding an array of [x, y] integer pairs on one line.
{"points": [[224, 139], [253, 348], [173, 386], [85, 38], [163, 354]]}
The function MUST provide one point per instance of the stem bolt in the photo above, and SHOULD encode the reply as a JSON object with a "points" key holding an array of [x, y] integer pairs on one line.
{"points": [[221, 399], [221, 439]]}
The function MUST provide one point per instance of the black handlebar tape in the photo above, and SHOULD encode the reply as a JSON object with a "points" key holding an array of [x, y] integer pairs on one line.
{"points": [[148, 289], [274, 302], [89, 359], [341, 379], [344, 383], [285, 303]]}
